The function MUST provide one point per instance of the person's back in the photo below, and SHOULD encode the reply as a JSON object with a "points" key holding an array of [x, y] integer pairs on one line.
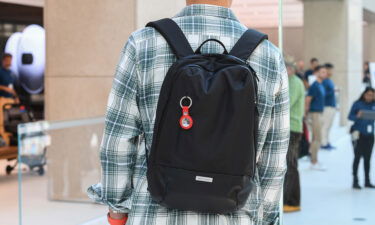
{"points": [[131, 116]]}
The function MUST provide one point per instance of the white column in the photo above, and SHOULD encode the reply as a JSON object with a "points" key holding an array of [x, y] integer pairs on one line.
{"points": [[333, 33], [371, 42]]}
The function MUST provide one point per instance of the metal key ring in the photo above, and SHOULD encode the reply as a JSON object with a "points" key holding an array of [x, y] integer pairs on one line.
{"points": [[186, 97]]}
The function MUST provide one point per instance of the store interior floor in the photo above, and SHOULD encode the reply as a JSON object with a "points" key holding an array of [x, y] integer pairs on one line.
{"points": [[327, 197], [37, 209]]}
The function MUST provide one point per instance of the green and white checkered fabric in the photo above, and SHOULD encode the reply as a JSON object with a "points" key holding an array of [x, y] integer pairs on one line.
{"points": [[130, 117]]}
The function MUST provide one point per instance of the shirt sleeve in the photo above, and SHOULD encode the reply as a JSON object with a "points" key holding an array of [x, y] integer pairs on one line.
{"points": [[329, 88], [293, 94], [301, 100], [272, 160], [1, 78], [311, 92], [118, 149], [306, 75], [353, 112]]}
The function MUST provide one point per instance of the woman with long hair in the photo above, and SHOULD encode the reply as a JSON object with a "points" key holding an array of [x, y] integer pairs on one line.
{"points": [[364, 127]]}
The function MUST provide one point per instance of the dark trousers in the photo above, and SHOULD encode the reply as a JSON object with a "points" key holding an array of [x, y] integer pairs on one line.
{"points": [[363, 148], [292, 192]]}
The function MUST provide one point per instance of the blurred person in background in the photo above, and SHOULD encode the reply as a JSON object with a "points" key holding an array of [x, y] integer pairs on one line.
{"points": [[314, 62], [366, 74], [312, 78], [7, 94], [300, 69], [363, 135], [329, 107], [314, 107], [292, 190], [6, 78]]}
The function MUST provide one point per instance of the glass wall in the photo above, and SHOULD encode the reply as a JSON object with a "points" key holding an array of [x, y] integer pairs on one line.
{"points": [[53, 188]]}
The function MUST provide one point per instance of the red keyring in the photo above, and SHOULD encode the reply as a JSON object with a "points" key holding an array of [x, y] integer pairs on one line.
{"points": [[186, 122]]}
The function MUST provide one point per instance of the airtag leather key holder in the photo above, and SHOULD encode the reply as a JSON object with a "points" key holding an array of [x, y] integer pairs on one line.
{"points": [[186, 122], [112, 221]]}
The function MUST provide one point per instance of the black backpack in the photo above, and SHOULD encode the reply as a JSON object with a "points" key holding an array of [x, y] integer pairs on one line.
{"points": [[203, 153]]}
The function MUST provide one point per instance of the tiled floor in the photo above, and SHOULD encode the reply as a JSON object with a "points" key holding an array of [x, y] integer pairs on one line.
{"points": [[327, 197], [37, 209]]}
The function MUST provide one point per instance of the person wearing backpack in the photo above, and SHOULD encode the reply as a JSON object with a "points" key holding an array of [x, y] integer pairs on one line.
{"points": [[197, 124], [364, 127]]}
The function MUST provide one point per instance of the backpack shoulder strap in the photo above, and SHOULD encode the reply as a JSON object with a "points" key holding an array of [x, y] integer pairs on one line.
{"points": [[173, 35], [247, 43]]}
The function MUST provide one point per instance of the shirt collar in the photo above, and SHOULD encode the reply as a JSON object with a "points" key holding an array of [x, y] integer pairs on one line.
{"points": [[207, 10]]}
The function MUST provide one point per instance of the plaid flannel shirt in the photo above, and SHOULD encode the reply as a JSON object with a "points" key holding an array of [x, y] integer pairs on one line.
{"points": [[130, 117]]}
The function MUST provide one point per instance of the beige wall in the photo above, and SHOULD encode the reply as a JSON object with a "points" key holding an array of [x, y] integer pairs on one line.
{"points": [[151, 10], [370, 42], [84, 41], [369, 31], [293, 40], [294, 44]]}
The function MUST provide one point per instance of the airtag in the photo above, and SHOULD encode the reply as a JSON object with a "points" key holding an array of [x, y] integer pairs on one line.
{"points": [[186, 122]]}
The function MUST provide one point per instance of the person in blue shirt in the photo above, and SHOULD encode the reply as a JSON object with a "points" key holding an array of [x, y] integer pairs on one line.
{"points": [[314, 62], [6, 78], [329, 107], [7, 93], [314, 110], [365, 128]]}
